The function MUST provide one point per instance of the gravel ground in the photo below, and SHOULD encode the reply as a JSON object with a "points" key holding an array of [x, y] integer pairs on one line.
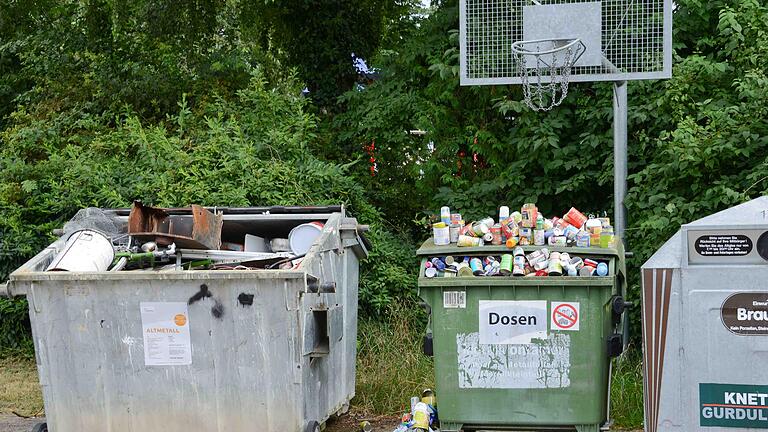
{"points": [[12, 423], [347, 423]]}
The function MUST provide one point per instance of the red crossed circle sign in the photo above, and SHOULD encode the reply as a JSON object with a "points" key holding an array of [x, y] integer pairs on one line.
{"points": [[565, 316]]}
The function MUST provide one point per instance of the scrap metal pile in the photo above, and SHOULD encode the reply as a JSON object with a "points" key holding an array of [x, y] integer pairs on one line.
{"points": [[155, 239]]}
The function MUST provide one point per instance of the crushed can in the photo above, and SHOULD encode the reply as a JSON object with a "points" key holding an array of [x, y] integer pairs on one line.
{"points": [[575, 217], [421, 416], [467, 241], [582, 239], [480, 229]]}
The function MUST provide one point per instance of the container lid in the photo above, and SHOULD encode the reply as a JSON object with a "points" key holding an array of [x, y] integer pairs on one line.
{"points": [[303, 237]]}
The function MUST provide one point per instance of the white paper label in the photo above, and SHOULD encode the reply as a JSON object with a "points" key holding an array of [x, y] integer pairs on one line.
{"points": [[565, 316], [512, 322], [166, 334], [455, 299], [543, 364]]}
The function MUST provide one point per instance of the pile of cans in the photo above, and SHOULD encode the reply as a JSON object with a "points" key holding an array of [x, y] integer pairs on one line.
{"points": [[540, 262], [523, 228]]}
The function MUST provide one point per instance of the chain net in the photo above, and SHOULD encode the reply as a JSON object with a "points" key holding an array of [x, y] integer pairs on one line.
{"points": [[544, 68]]}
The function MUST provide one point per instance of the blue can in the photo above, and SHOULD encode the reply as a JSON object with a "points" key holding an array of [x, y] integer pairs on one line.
{"points": [[476, 264]]}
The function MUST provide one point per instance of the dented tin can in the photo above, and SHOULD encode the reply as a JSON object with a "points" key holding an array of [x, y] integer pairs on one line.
{"points": [[555, 268], [488, 238], [582, 239], [487, 222], [480, 229], [538, 237], [496, 234], [441, 235], [438, 263], [518, 265], [445, 215], [527, 234], [558, 241], [454, 232], [529, 213], [575, 217], [456, 219], [506, 264], [476, 264], [467, 241]]}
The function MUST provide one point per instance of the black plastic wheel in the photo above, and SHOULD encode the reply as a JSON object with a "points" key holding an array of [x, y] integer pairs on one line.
{"points": [[40, 427], [312, 426]]}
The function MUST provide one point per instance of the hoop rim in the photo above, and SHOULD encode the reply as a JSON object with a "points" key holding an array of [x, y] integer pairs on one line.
{"points": [[517, 46]]}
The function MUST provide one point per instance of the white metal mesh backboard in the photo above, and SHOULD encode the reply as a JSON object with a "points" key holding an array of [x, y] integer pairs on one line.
{"points": [[634, 37]]}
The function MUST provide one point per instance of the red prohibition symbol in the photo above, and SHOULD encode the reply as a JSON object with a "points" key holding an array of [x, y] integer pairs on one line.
{"points": [[566, 312]]}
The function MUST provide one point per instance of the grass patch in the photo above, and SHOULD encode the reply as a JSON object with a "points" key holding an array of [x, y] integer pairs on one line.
{"points": [[19, 387], [627, 390], [391, 366]]}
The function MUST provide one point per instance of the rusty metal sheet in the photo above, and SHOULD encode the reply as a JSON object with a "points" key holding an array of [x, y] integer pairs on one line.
{"points": [[201, 231]]}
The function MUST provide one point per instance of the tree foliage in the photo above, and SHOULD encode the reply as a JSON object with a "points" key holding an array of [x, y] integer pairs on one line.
{"points": [[697, 142], [167, 103]]}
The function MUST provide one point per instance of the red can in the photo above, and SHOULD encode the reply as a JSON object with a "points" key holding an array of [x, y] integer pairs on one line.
{"points": [[496, 232], [575, 217]]}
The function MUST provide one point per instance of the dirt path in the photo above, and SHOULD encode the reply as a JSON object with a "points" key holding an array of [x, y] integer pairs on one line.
{"points": [[351, 423]]}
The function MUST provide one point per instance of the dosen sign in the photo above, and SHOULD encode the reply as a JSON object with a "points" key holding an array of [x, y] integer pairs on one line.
{"points": [[512, 322], [733, 405]]}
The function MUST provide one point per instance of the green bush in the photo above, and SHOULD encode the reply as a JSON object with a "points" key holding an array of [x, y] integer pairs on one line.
{"points": [[250, 150]]}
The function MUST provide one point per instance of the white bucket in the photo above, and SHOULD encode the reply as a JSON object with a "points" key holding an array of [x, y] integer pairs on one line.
{"points": [[85, 251], [303, 237]]}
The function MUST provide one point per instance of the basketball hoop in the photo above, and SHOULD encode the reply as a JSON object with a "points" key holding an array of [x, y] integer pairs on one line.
{"points": [[544, 67]]}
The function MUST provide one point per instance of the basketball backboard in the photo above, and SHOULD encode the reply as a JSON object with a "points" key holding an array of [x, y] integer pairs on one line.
{"points": [[624, 39]]}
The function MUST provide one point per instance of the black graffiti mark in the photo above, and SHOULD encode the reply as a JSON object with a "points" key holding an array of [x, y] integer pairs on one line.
{"points": [[245, 299], [203, 293]]}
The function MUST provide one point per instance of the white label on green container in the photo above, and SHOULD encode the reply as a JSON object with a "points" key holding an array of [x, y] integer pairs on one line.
{"points": [[543, 364], [512, 322], [455, 299]]}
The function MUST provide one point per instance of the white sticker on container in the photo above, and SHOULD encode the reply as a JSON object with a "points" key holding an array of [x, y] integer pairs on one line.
{"points": [[455, 299], [543, 364], [166, 333], [565, 316], [512, 322]]}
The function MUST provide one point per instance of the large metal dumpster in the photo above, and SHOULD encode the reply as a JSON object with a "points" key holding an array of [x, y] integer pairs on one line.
{"points": [[262, 350], [558, 379], [705, 325]]}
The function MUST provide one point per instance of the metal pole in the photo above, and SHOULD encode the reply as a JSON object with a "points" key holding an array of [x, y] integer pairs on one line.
{"points": [[619, 157], [620, 175]]}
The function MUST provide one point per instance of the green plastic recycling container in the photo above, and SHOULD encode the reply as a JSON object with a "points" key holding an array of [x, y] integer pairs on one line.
{"points": [[523, 352]]}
